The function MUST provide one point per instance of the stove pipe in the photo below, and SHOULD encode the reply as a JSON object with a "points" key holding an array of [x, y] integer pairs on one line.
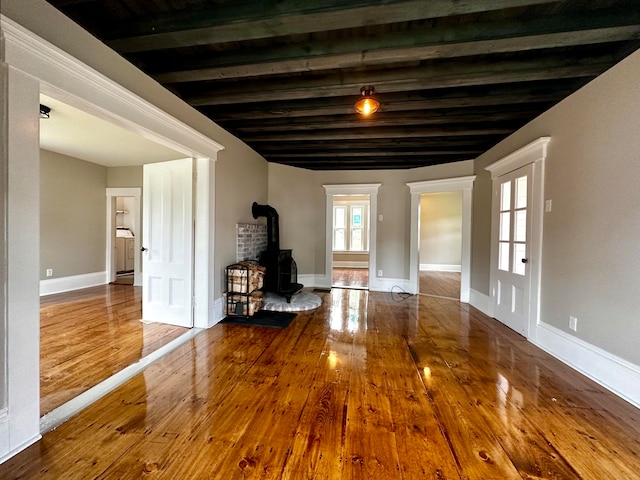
{"points": [[273, 227]]}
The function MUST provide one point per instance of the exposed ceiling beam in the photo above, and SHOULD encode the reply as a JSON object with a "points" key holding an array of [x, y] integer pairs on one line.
{"points": [[386, 133], [408, 54], [382, 120], [430, 76], [288, 18]]}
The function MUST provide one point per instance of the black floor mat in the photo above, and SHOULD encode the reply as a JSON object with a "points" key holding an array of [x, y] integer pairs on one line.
{"points": [[263, 318]]}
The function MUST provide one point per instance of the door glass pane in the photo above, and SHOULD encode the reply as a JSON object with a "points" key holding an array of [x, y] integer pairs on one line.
{"points": [[519, 251], [505, 223], [505, 196], [521, 192], [503, 256], [520, 228]]}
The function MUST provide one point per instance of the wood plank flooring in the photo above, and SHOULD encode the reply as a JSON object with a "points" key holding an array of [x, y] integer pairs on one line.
{"points": [[350, 277], [440, 284], [88, 335], [368, 386]]}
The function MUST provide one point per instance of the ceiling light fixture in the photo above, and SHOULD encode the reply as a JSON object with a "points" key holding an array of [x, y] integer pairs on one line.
{"points": [[367, 104], [44, 111]]}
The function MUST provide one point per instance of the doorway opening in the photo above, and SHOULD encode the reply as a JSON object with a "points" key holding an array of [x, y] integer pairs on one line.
{"points": [[440, 244], [336, 192], [350, 241]]}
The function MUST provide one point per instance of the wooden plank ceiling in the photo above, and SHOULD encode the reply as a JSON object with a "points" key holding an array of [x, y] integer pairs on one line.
{"points": [[454, 77]]}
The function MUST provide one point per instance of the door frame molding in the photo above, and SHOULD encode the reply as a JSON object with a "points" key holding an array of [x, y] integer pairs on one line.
{"points": [[112, 193], [370, 189], [533, 153], [464, 184]]}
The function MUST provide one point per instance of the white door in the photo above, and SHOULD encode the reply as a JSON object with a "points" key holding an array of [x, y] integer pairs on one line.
{"points": [[167, 259], [511, 287]]}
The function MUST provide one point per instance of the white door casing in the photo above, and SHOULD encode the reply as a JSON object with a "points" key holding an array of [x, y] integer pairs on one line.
{"points": [[515, 297], [168, 241], [463, 184]]}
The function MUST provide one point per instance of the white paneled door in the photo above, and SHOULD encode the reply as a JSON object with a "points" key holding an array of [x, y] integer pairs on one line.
{"points": [[167, 258], [512, 224]]}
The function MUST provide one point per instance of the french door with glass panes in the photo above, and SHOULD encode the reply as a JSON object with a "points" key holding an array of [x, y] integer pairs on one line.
{"points": [[512, 246]]}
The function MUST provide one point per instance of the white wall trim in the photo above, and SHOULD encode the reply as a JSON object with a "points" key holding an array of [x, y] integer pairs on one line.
{"points": [[614, 373], [73, 282], [396, 285], [480, 301], [530, 153], [440, 267], [314, 281], [19, 448], [370, 189], [349, 264], [34, 55], [465, 184], [218, 312]]}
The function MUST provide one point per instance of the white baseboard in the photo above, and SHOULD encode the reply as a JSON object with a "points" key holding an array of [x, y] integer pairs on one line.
{"points": [[74, 282], [218, 311], [315, 281], [346, 264], [390, 284], [480, 301], [439, 267], [19, 448], [612, 372]]}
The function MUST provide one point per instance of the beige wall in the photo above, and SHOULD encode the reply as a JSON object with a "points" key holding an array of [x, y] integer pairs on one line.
{"points": [[124, 177], [590, 266], [72, 215], [441, 228], [308, 200]]}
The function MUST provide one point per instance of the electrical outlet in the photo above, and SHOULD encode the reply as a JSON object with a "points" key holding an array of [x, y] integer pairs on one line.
{"points": [[379, 273], [573, 323], [548, 204], [49, 272]]}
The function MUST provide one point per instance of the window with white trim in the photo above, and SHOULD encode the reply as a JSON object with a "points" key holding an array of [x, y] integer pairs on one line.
{"points": [[350, 227]]}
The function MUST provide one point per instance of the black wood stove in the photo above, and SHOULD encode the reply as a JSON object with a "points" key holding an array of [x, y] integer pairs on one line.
{"points": [[281, 276]]}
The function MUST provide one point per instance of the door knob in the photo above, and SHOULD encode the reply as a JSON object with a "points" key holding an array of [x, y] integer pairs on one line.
{"points": [[525, 260], [143, 249]]}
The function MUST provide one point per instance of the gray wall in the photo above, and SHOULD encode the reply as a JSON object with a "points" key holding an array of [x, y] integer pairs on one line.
{"points": [[590, 265], [441, 228], [302, 210], [124, 177], [72, 215]]}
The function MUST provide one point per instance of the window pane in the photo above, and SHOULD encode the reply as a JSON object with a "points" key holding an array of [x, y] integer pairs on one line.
{"points": [[505, 196], [519, 251], [521, 192], [338, 239], [505, 223], [356, 239], [520, 233], [339, 214], [503, 256], [356, 216]]}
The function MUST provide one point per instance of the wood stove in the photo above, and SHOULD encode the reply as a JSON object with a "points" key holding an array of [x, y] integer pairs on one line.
{"points": [[281, 276]]}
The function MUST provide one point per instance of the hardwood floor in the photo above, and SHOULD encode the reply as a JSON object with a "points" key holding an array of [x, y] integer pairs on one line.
{"points": [[88, 335], [440, 284], [350, 277], [368, 386]]}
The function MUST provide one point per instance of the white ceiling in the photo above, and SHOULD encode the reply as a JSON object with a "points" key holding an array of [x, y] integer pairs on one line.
{"points": [[75, 133]]}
